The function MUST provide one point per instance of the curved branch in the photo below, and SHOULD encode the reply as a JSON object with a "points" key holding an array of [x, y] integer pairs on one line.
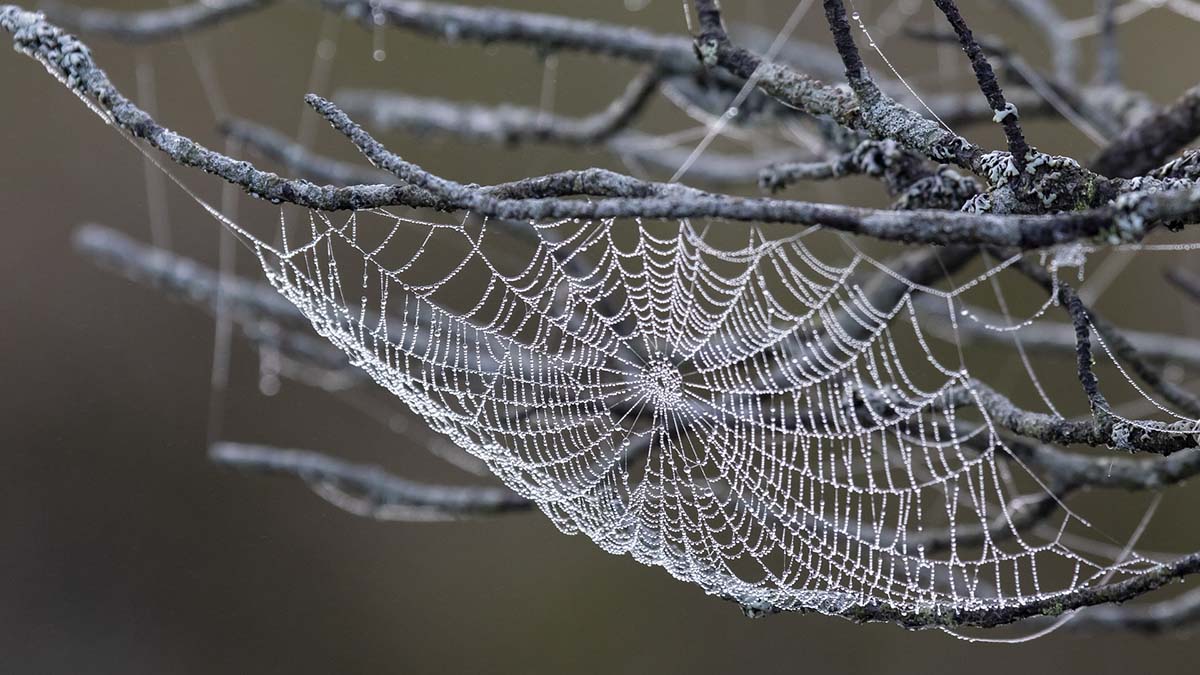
{"points": [[1055, 605], [297, 158], [384, 495], [69, 59], [386, 111], [153, 24], [1006, 113], [1151, 619]]}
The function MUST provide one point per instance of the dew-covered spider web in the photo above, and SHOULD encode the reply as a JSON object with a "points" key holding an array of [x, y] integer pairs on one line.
{"points": [[778, 426], [741, 413]]}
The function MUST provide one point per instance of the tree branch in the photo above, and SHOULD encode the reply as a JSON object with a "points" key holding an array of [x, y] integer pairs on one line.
{"points": [[372, 491], [69, 59], [1151, 619], [386, 111], [1149, 143], [153, 24], [298, 159], [1006, 113]]}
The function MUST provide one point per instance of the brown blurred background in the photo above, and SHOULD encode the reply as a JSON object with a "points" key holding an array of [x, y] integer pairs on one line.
{"points": [[123, 550]]}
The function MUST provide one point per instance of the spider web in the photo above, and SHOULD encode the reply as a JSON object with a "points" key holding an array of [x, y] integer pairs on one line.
{"points": [[745, 414], [740, 413]]}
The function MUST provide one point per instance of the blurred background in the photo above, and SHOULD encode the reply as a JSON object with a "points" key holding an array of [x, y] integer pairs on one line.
{"points": [[124, 550]]}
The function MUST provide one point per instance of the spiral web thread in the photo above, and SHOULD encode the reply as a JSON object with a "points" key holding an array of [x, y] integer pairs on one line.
{"points": [[739, 415]]}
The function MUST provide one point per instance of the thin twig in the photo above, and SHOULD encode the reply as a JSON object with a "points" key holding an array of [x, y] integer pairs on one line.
{"points": [[153, 24], [386, 495], [1058, 338], [1006, 113], [1108, 54], [298, 159]]}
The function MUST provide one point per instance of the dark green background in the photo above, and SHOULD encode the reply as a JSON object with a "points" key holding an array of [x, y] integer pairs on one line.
{"points": [[122, 550]]}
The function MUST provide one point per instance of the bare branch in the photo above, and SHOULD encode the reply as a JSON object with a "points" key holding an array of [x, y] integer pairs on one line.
{"points": [[69, 59], [262, 315], [1006, 113], [1147, 436], [1149, 143], [1056, 605], [1178, 613], [387, 496], [1043, 16], [150, 25], [1186, 282], [1058, 338], [299, 159], [506, 124], [1108, 55], [1124, 349], [386, 111], [668, 54]]}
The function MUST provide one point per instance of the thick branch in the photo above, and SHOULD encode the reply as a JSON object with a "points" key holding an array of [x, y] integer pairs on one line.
{"points": [[1150, 142], [69, 59], [669, 54], [1139, 436]]}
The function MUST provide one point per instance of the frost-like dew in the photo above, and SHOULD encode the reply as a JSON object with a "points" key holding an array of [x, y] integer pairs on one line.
{"points": [[378, 33], [742, 415]]}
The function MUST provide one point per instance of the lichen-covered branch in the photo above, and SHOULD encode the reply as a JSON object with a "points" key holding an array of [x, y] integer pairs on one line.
{"points": [[70, 60], [298, 159], [1006, 113], [1136, 436], [1154, 618]]}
